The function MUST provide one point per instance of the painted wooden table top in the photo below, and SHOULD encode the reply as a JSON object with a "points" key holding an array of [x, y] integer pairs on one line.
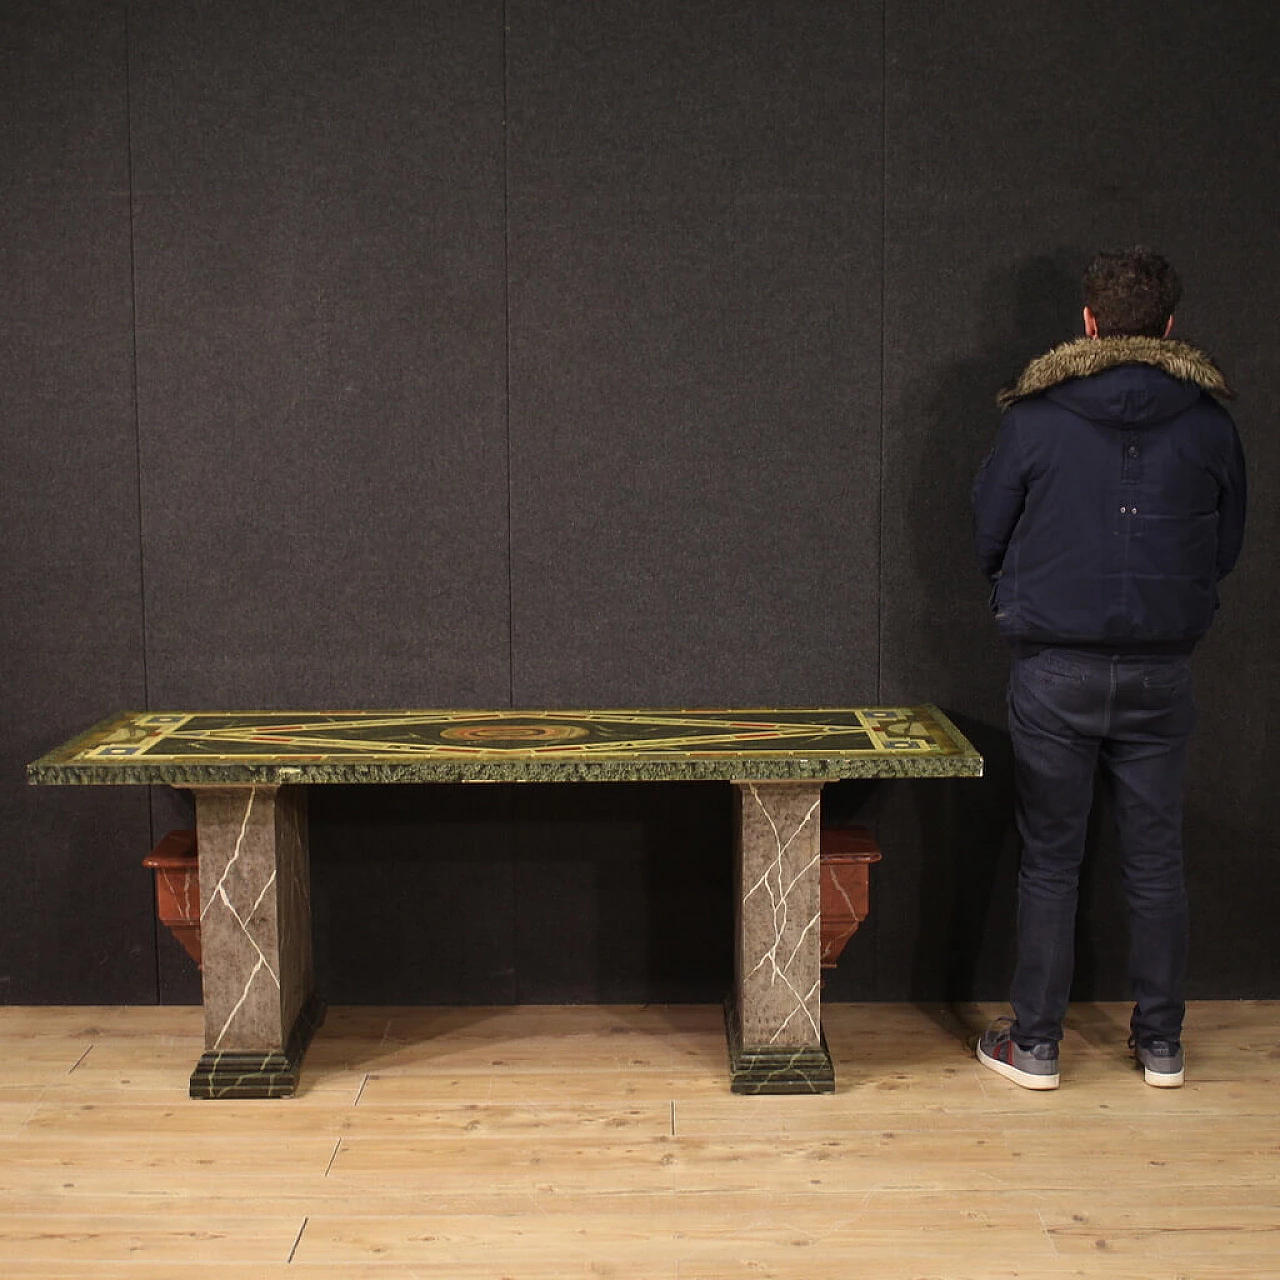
{"points": [[211, 748]]}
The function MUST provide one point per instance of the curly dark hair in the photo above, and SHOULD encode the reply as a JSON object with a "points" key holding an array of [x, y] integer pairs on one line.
{"points": [[1133, 291]]}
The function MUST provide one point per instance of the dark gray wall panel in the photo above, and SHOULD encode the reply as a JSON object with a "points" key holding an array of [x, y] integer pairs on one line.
{"points": [[77, 904], [1018, 142], [320, 349], [321, 345], [695, 273]]}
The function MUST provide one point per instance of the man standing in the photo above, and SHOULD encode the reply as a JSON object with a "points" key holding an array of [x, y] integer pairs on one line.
{"points": [[1110, 507]]}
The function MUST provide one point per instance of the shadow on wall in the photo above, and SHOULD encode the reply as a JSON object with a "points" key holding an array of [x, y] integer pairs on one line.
{"points": [[964, 944], [507, 894], [1023, 310], [969, 860]]}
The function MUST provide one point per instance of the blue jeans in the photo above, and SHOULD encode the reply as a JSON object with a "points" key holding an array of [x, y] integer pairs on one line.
{"points": [[1071, 714]]}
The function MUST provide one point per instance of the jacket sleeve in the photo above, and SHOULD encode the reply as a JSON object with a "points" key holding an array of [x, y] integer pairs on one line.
{"points": [[1232, 501], [999, 493]]}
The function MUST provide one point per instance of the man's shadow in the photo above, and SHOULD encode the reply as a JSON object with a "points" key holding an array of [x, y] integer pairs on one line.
{"points": [[969, 850]]}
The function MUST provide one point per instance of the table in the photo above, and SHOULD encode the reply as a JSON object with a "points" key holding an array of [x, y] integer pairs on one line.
{"points": [[249, 772]]}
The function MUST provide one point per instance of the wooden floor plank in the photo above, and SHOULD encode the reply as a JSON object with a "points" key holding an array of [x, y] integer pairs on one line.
{"points": [[677, 1234], [79, 1241], [897, 1267], [565, 1084], [850, 1165], [1249, 1234], [130, 1121], [92, 1021]]}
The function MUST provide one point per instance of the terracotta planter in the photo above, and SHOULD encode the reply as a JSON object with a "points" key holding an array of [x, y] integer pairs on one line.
{"points": [[847, 854], [846, 857], [177, 872]]}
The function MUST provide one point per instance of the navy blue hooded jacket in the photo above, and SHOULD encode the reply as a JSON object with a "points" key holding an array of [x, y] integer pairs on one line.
{"points": [[1114, 499]]}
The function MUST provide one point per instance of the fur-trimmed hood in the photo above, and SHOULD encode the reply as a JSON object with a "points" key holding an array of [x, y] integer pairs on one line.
{"points": [[1085, 357]]}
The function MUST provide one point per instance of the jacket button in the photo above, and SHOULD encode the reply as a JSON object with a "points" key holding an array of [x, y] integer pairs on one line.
{"points": [[1133, 451], [1124, 511]]}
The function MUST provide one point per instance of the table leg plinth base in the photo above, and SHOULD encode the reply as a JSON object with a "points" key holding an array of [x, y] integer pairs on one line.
{"points": [[258, 1073], [766, 1068]]}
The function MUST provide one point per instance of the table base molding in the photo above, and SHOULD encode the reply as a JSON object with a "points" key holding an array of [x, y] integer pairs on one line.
{"points": [[763, 1068], [268, 1074]]}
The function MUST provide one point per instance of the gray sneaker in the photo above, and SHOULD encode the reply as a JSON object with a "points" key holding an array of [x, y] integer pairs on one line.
{"points": [[1161, 1062], [1034, 1068]]}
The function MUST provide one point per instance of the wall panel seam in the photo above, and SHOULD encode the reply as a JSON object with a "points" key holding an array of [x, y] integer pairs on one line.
{"points": [[130, 197], [884, 276], [506, 354], [133, 351]]}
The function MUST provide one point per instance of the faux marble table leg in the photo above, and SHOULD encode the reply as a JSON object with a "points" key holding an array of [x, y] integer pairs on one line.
{"points": [[775, 1015], [260, 1008]]}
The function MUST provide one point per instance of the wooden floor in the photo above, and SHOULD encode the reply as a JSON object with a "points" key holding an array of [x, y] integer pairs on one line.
{"points": [[541, 1143]]}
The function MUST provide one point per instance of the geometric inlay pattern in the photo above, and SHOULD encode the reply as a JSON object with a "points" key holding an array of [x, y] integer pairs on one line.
{"points": [[630, 735], [278, 748]]}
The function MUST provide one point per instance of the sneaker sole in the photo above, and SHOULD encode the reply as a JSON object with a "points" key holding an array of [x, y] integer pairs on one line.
{"points": [[1162, 1079], [1024, 1078]]}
